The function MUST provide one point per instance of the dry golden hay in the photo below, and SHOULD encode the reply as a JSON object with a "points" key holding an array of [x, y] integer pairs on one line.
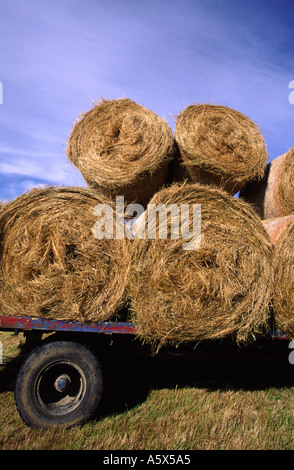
{"points": [[273, 196], [220, 146], [122, 149], [281, 231], [51, 264], [222, 289]]}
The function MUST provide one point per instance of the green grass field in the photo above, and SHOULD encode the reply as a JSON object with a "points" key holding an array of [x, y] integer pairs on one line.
{"points": [[168, 404]]}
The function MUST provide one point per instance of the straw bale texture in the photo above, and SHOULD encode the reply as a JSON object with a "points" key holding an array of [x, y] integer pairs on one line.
{"points": [[220, 146], [221, 289], [122, 149], [51, 265], [281, 231], [273, 196]]}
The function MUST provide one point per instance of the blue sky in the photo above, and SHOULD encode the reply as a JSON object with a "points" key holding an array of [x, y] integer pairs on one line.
{"points": [[58, 56]]}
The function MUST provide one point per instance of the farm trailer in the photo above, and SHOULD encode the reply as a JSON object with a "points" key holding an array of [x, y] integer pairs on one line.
{"points": [[60, 380]]}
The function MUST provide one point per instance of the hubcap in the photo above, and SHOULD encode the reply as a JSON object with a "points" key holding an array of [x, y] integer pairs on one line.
{"points": [[62, 382]]}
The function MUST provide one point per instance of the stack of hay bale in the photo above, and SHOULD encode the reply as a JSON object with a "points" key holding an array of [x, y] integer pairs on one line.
{"points": [[223, 288], [273, 199], [52, 264]]}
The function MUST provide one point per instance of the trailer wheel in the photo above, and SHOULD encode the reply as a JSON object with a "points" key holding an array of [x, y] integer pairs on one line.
{"points": [[59, 383]]}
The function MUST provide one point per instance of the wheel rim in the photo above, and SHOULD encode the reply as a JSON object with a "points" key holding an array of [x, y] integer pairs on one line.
{"points": [[60, 387]]}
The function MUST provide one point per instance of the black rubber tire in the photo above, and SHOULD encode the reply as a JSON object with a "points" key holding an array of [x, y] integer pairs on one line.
{"points": [[40, 401]]}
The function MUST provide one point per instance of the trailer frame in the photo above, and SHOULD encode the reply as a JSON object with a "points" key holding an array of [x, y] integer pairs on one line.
{"points": [[60, 381]]}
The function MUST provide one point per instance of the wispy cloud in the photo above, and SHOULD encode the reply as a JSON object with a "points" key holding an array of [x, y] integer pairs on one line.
{"points": [[48, 167], [163, 54], [14, 185]]}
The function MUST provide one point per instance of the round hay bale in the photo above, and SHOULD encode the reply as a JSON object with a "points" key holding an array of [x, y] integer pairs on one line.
{"points": [[220, 146], [273, 196], [222, 289], [51, 264], [122, 149], [281, 231]]}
